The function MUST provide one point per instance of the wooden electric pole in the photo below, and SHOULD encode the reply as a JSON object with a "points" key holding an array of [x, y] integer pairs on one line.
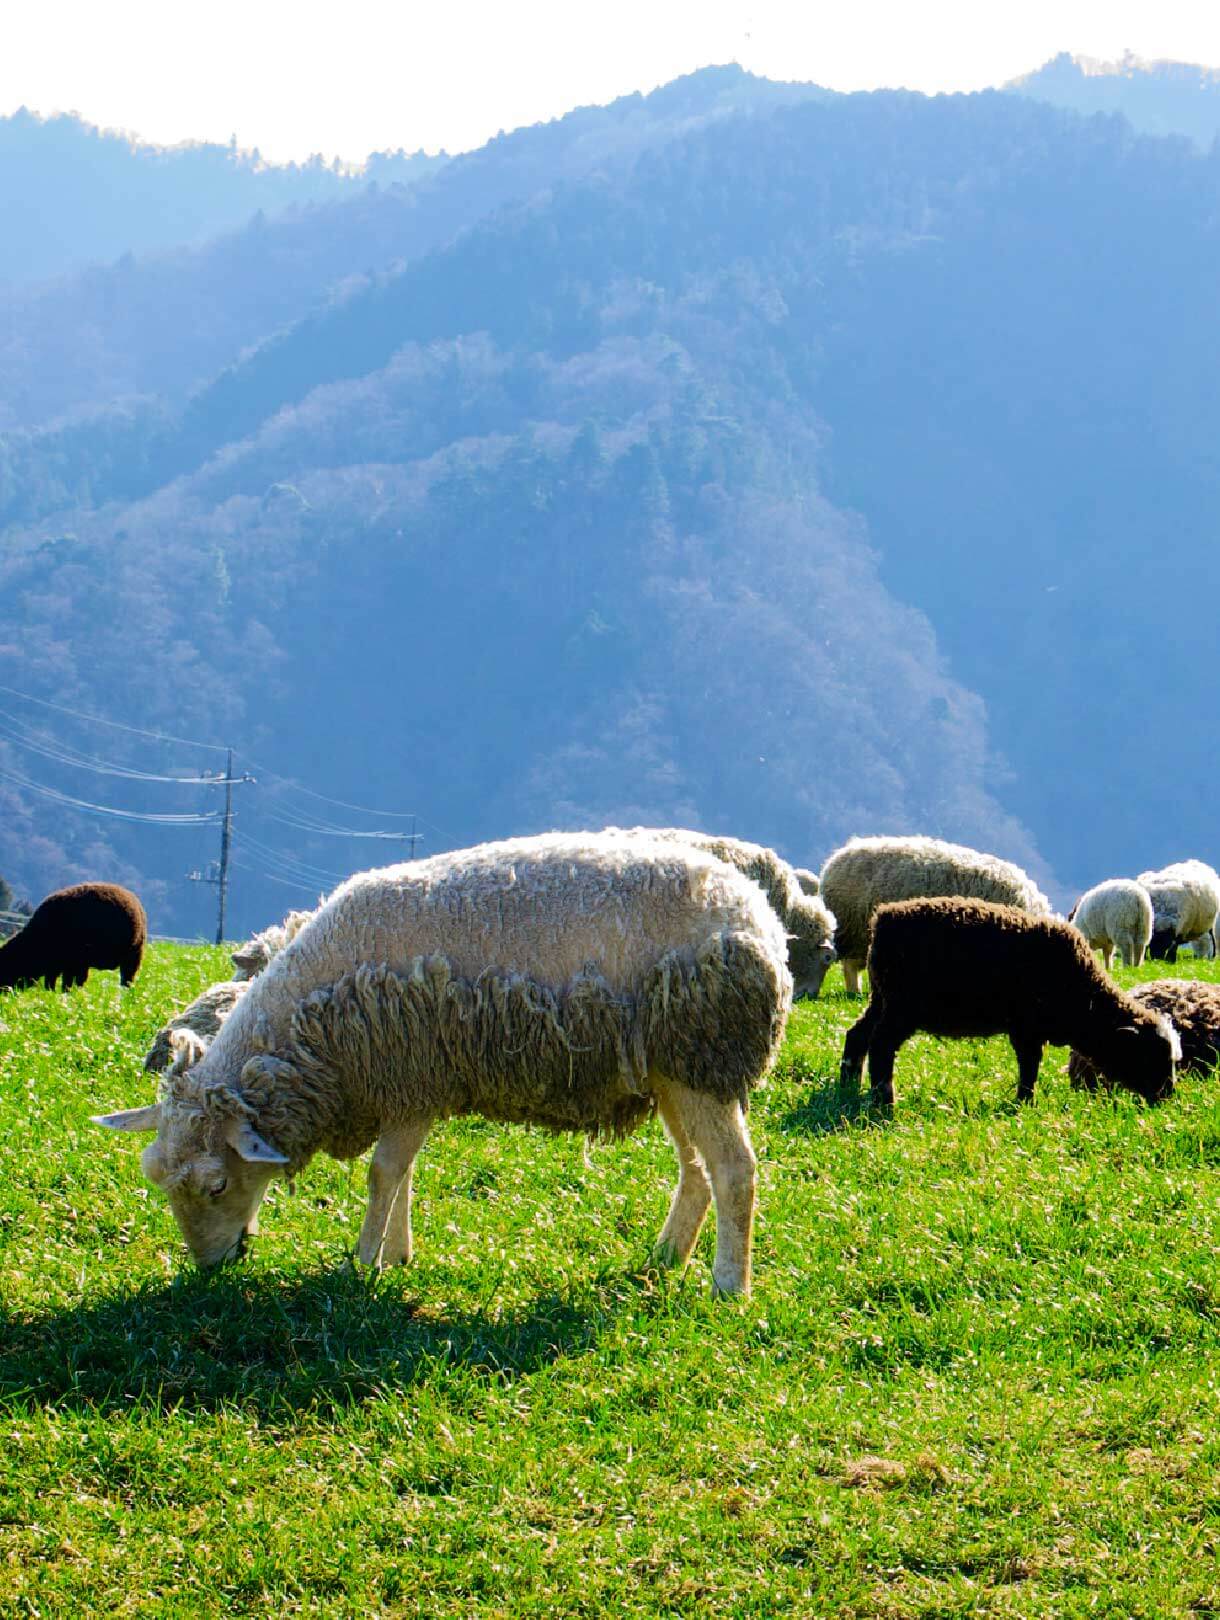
{"points": [[226, 834], [219, 874]]}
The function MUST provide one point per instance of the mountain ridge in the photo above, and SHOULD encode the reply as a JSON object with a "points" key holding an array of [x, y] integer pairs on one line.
{"points": [[815, 470]]}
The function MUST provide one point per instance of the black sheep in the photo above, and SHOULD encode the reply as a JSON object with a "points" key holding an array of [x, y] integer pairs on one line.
{"points": [[91, 925], [969, 967]]}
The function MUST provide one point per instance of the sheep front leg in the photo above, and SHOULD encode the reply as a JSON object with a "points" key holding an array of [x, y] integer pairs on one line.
{"points": [[718, 1132], [693, 1193], [385, 1237], [851, 976], [855, 1046]]}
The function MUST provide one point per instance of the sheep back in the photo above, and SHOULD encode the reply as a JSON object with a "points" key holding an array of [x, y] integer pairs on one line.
{"points": [[868, 872], [1116, 912], [89, 925], [972, 967], [809, 881], [810, 925], [1185, 901], [777, 880]]}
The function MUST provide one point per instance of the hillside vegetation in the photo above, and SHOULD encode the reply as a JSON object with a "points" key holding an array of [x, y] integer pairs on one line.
{"points": [[76, 195], [978, 1374], [739, 456], [1157, 98]]}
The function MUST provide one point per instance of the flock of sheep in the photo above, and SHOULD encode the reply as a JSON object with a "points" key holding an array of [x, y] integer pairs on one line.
{"points": [[582, 981]]}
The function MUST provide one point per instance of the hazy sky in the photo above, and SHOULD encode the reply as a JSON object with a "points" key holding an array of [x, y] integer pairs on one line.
{"points": [[294, 77]]}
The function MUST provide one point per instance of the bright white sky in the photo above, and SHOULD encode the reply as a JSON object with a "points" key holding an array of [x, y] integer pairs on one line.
{"points": [[294, 77]]}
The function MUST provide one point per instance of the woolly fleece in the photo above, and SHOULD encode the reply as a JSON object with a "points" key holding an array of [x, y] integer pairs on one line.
{"points": [[867, 872], [537, 979], [810, 925], [1115, 915]]}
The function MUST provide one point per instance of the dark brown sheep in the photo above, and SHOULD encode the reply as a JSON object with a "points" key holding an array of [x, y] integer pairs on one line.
{"points": [[1194, 1008], [91, 925], [969, 967]]}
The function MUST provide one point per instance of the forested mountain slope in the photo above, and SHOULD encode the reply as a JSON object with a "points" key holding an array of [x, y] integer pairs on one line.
{"points": [[73, 195], [606, 595], [832, 465], [1157, 98], [162, 324]]}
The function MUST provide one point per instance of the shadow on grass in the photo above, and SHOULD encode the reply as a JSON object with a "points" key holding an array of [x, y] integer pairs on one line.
{"points": [[310, 1344], [828, 1107]]}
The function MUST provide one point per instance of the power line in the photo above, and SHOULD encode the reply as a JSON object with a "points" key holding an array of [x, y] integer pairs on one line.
{"points": [[100, 720], [185, 819], [342, 804], [285, 868], [324, 831], [64, 754], [289, 864], [270, 877]]}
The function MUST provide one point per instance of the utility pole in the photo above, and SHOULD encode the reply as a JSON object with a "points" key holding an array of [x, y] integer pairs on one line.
{"points": [[226, 833], [413, 836], [218, 872]]}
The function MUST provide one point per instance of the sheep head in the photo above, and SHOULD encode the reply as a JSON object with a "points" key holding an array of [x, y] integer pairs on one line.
{"points": [[808, 961], [811, 930], [1143, 1058], [208, 1156]]}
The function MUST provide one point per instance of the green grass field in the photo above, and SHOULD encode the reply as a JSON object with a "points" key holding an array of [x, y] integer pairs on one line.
{"points": [[979, 1373]]}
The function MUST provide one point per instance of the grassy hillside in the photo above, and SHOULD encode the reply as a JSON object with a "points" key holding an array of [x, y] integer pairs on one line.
{"points": [[978, 1374]]}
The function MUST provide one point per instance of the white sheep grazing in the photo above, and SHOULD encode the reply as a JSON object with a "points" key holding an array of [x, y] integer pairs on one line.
{"points": [[810, 926], [867, 872], [1185, 900], [202, 1019], [575, 981], [250, 959], [204, 1016], [1115, 915]]}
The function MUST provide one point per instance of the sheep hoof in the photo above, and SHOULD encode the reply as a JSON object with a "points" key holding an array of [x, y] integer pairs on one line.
{"points": [[731, 1288], [663, 1257], [849, 1077]]}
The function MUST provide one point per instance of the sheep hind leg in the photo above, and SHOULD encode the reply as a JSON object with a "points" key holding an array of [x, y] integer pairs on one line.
{"points": [[881, 1055], [385, 1237], [1029, 1058], [718, 1132], [692, 1195]]}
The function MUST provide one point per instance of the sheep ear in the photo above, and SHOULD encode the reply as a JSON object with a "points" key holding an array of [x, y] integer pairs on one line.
{"points": [[250, 1146], [130, 1119]]}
